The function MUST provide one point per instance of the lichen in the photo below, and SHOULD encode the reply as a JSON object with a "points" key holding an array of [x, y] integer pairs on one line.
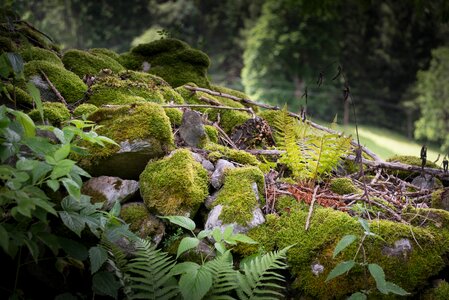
{"points": [[35, 53], [84, 109], [343, 186], [238, 156], [54, 112], [212, 133], [409, 160], [237, 195], [71, 87], [84, 62], [175, 185]]}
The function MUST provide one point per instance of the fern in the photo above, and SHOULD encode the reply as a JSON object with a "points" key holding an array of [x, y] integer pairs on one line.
{"points": [[223, 275], [259, 280]]}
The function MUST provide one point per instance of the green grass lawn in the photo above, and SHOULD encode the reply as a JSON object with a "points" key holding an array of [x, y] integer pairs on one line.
{"points": [[387, 143]]}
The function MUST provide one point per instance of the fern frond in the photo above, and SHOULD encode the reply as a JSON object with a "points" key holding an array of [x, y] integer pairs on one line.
{"points": [[260, 281], [117, 260], [149, 273], [224, 277]]}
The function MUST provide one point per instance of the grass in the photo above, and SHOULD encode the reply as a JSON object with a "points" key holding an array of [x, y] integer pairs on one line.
{"points": [[387, 143]]}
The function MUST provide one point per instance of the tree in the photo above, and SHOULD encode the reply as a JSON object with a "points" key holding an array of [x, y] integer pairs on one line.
{"points": [[433, 100]]}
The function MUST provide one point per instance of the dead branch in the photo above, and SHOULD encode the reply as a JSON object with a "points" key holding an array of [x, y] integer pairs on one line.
{"points": [[311, 208], [53, 88], [206, 106]]}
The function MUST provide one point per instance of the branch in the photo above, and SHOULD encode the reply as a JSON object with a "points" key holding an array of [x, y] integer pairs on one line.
{"points": [[206, 106], [311, 208], [53, 88]]}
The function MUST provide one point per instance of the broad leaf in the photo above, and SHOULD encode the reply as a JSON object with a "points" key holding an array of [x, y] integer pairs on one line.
{"points": [[97, 257], [204, 233], [220, 246], [104, 283], [62, 152], [181, 221], [186, 244], [365, 225], [4, 239], [115, 210], [16, 62], [184, 267], [395, 289], [228, 232], [35, 94], [73, 248], [357, 296], [62, 168], [72, 187], [341, 268], [243, 239], [73, 221], [343, 243], [53, 184], [195, 285], [26, 122], [217, 235], [379, 276]]}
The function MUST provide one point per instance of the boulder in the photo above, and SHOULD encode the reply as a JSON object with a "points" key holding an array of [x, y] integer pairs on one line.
{"points": [[192, 129], [218, 176]]}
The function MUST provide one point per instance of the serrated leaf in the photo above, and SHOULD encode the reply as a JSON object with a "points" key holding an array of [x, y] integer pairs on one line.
{"points": [[204, 233], [36, 95], [73, 248], [379, 276], [115, 210], [357, 296], [62, 168], [26, 164], [228, 232], [72, 187], [184, 267], [97, 256], [340, 269], [217, 235], [46, 205], [105, 283], [395, 289], [4, 239], [365, 225], [343, 243], [62, 152], [73, 221], [53, 184], [28, 125], [184, 222], [195, 285], [220, 246], [186, 244]]}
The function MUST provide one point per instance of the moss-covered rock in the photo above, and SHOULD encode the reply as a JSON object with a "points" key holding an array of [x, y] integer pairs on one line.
{"points": [[409, 160], [170, 59], [105, 52], [84, 62], [408, 267], [212, 133], [175, 116], [239, 195], [238, 156], [142, 131], [232, 92], [175, 185], [22, 98], [54, 112], [7, 45], [130, 87], [71, 87], [343, 186], [84, 109], [439, 292], [35, 53]]}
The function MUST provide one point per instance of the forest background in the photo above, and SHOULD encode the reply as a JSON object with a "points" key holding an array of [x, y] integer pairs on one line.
{"points": [[393, 56]]}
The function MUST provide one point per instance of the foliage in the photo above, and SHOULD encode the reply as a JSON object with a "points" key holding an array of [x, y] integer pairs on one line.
{"points": [[376, 271]]}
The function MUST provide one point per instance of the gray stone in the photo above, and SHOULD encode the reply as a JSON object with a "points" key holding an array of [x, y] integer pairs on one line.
{"points": [[192, 129], [45, 91], [426, 182], [317, 269], [110, 190], [210, 200], [217, 178], [402, 247], [208, 165]]}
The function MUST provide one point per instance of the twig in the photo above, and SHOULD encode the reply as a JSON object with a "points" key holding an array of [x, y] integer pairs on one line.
{"points": [[206, 106], [311, 207], [225, 136], [53, 88]]}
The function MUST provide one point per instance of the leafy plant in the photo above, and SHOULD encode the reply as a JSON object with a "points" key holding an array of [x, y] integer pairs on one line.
{"points": [[376, 271]]}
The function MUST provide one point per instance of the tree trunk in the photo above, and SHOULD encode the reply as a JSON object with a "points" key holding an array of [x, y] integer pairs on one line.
{"points": [[346, 113]]}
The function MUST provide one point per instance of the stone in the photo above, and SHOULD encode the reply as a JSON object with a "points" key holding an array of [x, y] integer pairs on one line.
{"points": [[426, 182], [402, 248], [192, 129], [110, 190], [217, 178], [317, 269], [208, 165]]}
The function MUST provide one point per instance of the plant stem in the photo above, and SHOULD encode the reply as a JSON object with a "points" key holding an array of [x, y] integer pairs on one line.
{"points": [[16, 281]]}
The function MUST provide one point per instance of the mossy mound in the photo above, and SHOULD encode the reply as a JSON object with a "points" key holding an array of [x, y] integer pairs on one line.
{"points": [[238, 196], [84, 62], [175, 116], [343, 186], [232, 92], [271, 116], [408, 269], [35, 53], [7, 45], [22, 98], [140, 220], [212, 133], [439, 292], [105, 52], [409, 160], [84, 109], [71, 87], [175, 185], [145, 125], [171, 59], [54, 112], [238, 156], [130, 87]]}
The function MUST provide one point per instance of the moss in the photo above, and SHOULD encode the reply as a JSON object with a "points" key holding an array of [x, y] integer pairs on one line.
{"points": [[212, 133], [409, 270], [140, 220], [67, 83], [83, 62], [130, 87], [272, 115], [343, 186], [85, 109], [7, 45], [237, 195], [175, 185], [105, 52], [35, 53], [286, 203], [54, 112], [238, 156], [175, 115], [409, 160], [22, 97], [439, 292], [170, 59], [239, 94]]}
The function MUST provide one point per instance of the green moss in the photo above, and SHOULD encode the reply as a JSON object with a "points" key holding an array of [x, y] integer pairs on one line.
{"points": [[175, 185], [175, 115], [140, 220], [239, 94], [105, 52], [83, 62], [410, 270], [238, 156], [7, 45], [170, 59], [212, 133], [409, 160], [71, 87], [272, 115], [286, 203], [343, 186], [440, 292], [54, 112], [85, 109], [22, 97], [237, 195], [35, 53]]}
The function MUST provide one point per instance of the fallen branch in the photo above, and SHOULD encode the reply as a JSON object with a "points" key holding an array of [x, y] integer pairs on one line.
{"points": [[53, 88], [311, 208], [206, 106]]}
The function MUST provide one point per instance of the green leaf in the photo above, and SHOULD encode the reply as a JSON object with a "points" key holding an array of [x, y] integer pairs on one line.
{"points": [[115, 210], [242, 238], [73, 221], [204, 233], [339, 269], [395, 289], [186, 244], [46, 205], [73, 248], [104, 283], [5, 66], [72, 187], [36, 95], [24, 206], [195, 285], [62, 152], [343, 243], [4, 239], [228, 232], [40, 171], [33, 248], [62, 168], [181, 221], [16, 62], [379, 276], [365, 225], [357, 296], [50, 240], [184, 267], [53, 184], [98, 256], [26, 122], [26, 164], [217, 235], [220, 246]]}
